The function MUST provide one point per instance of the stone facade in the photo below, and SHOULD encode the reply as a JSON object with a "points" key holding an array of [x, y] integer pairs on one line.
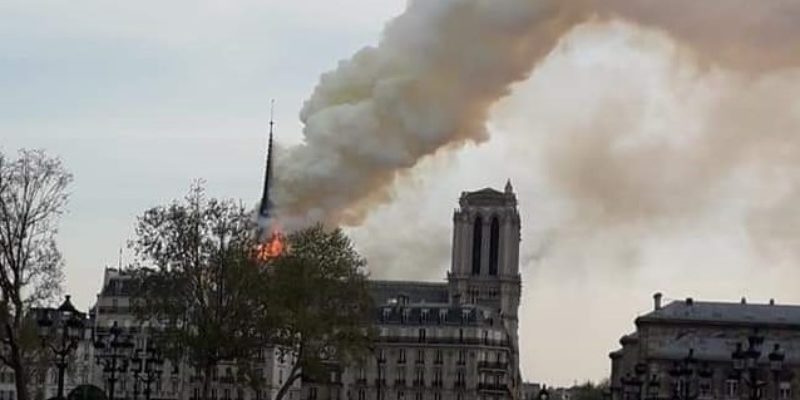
{"points": [[455, 340], [665, 336]]}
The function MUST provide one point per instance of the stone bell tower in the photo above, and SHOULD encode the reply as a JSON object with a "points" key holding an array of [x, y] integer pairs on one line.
{"points": [[486, 237]]}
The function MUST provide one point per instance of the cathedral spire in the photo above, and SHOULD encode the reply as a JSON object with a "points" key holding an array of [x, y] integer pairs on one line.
{"points": [[265, 209], [509, 188]]}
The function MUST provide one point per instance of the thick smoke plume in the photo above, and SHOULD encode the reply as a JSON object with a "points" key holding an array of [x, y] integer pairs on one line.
{"points": [[440, 66]]}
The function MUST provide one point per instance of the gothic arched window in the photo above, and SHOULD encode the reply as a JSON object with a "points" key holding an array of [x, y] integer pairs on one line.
{"points": [[477, 239], [494, 247]]}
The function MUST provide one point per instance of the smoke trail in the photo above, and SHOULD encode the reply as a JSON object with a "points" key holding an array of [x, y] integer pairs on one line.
{"points": [[439, 67]]}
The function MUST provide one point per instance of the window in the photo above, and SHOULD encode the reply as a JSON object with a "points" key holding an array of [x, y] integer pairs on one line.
{"points": [[381, 356], [437, 396], [419, 377], [420, 356], [401, 376], [437, 377], [731, 388], [362, 395], [462, 357], [785, 391], [423, 315], [386, 313], [477, 240], [422, 335], [437, 356], [401, 395], [401, 359], [494, 247], [417, 395], [442, 315], [312, 393]]}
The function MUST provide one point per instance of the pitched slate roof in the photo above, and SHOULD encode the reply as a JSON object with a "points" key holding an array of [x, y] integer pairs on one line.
{"points": [[745, 314]]}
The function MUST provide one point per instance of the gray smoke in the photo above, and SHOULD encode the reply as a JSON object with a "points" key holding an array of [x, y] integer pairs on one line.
{"points": [[429, 84]]}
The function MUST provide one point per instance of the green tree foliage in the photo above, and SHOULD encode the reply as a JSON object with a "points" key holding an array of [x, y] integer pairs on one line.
{"points": [[318, 290], [32, 197], [199, 283]]}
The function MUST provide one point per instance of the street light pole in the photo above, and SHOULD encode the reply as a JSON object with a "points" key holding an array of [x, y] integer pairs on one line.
{"points": [[68, 321], [113, 357]]}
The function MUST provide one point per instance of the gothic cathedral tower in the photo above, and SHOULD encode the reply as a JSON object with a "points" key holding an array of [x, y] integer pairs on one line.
{"points": [[486, 237]]}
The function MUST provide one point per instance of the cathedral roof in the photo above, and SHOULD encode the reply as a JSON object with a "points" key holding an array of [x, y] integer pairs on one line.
{"points": [[742, 313]]}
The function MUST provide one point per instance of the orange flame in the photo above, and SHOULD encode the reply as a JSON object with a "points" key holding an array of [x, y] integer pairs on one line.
{"points": [[273, 247]]}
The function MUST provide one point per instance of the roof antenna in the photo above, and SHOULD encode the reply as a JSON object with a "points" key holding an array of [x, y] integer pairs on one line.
{"points": [[119, 260]]}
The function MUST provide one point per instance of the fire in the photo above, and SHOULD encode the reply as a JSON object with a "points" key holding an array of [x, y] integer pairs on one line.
{"points": [[273, 247]]}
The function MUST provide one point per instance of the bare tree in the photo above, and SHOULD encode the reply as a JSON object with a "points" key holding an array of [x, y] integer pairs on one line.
{"points": [[32, 197]]}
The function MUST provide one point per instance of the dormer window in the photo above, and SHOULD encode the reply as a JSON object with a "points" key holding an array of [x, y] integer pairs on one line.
{"points": [[423, 315], [442, 316]]}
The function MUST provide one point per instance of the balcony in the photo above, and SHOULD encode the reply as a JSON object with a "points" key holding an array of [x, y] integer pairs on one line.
{"points": [[492, 387], [493, 365], [446, 340]]}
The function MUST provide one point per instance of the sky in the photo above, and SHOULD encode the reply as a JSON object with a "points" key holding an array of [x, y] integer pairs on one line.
{"points": [[141, 98]]}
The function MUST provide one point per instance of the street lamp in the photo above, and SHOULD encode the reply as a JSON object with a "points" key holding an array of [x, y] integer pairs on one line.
{"points": [[544, 394], [746, 361], [684, 372], [776, 357], [638, 385], [146, 367], [68, 324], [113, 355]]}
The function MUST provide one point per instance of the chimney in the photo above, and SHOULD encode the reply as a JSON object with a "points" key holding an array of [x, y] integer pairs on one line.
{"points": [[657, 301], [744, 300], [689, 301], [772, 302]]}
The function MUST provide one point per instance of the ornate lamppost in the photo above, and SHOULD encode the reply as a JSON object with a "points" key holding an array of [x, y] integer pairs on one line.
{"points": [[61, 331], [638, 386], [543, 394], [112, 354], [776, 358], [745, 363], [684, 373], [146, 366]]}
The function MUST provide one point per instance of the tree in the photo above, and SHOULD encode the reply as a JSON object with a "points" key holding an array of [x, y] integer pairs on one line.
{"points": [[199, 283], [589, 390], [318, 289], [32, 197]]}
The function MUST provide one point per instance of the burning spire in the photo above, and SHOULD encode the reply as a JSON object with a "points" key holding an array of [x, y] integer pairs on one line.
{"points": [[272, 240], [265, 208]]}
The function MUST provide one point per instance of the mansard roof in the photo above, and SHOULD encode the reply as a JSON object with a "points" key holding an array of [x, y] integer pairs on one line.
{"points": [[723, 313], [383, 292]]}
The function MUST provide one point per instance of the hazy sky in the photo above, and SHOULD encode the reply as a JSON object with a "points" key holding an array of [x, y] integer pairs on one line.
{"points": [[140, 98]]}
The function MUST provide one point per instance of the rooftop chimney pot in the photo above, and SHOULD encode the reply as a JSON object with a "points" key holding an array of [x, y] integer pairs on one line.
{"points": [[657, 301], [744, 300], [689, 301], [772, 302]]}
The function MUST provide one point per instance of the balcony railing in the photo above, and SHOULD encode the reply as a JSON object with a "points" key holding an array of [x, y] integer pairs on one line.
{"points": [[492, 387], [447, 340], [492, 365]]}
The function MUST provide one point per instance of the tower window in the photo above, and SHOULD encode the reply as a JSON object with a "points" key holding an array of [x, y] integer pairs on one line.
{"points": [[477, 239], [494, 247]]}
